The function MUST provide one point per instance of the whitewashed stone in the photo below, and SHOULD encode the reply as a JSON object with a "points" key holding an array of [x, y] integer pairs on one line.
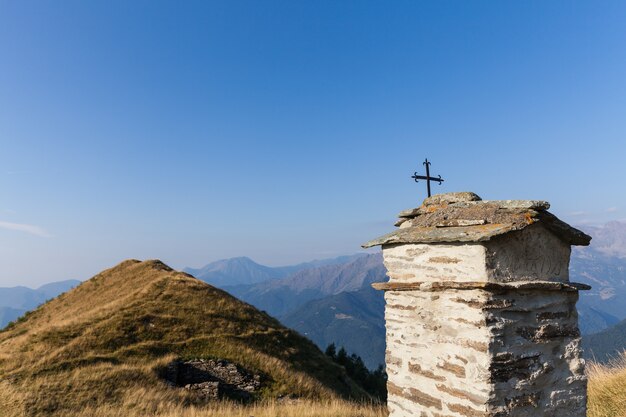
{"points": [[484, 328], [532, 254]]}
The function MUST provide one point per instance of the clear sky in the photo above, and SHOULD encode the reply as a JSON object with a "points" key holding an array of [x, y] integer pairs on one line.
{"points": [[287, 131]]}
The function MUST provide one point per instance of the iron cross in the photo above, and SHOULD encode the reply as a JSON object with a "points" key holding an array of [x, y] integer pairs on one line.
{"points": [[428, 178]]}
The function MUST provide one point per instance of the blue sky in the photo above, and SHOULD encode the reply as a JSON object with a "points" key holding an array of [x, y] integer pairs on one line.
{"points": [[287, 131]]}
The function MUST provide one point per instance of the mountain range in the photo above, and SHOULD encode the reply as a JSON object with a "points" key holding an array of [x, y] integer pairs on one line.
{"points": [[336, 305], [282, 296], [244, 271], [608, 239], [15, 301], [354, 320], [606, 345], [143, 330], [331, 301]]}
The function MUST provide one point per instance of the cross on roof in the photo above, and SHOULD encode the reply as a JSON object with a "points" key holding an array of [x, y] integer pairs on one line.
{"points": [[428, 178]]}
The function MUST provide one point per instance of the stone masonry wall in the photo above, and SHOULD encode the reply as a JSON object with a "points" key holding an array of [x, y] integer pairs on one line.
{"points": [[531, 254], [528, 255], [437, 354], [478, 353], [536, 368], [443, 262]]}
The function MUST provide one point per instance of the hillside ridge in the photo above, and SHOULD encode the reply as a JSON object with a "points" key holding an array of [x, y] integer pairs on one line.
{"points": [[116, 333]]}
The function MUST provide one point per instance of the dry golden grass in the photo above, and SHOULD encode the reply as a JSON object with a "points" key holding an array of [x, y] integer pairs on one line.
{"points": [[105, 343], [268, 409], [607, 389], [141, 402]]}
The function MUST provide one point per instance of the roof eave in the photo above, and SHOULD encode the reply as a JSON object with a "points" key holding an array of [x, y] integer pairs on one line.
{"points": [[462, 234]]}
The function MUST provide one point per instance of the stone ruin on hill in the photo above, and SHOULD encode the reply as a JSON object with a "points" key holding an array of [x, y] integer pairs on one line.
{"points": [[480, 315], [212, 379]]}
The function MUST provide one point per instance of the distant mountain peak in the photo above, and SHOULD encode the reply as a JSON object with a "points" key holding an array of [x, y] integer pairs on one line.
{"points": [[15, 301], [608, 239], [236, 259], [242, 270], [279, 296]]}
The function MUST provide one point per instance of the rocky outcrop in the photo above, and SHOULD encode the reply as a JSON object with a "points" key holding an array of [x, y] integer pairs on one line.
{"points": [[212, 379]]}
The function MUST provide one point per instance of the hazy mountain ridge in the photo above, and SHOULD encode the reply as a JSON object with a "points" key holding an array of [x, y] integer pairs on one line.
{"points": [[8, 314], [15, 301], [608, 239], [603, 266], [300, 304], [244, 271], [279, 297], [235, 271], [354, 320], [607, 344], [591, 320]]}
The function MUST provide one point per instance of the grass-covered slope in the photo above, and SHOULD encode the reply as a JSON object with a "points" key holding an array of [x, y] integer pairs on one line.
{"points": [[607, 388], [105, 341]]}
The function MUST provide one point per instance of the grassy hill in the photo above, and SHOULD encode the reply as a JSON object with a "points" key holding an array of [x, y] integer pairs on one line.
{"points": [[607, 388], [107, 341]]}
